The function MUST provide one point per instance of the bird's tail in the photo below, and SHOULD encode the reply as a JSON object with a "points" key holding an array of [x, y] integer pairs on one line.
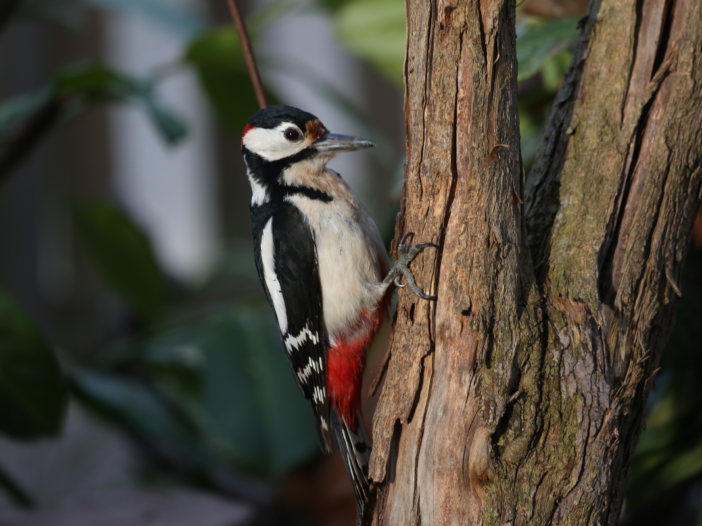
{"points": [[355, 449]]}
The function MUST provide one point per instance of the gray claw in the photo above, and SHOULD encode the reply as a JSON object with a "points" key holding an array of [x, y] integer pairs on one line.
{"points": [[401, 249], [425, 245], [414, 288], [402, 266]]}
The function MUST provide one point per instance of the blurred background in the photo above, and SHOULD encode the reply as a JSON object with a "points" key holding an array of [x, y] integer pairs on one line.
{"points": [[142, 380]]}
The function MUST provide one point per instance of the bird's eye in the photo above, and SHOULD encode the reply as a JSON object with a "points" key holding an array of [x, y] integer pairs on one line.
{"points": [[292, 135]]}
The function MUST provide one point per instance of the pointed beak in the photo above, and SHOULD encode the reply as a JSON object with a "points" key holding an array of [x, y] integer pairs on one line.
{"points": [[331, 142]]}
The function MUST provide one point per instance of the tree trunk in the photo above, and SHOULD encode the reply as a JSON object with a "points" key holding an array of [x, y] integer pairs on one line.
{"points": [[518, 397]]}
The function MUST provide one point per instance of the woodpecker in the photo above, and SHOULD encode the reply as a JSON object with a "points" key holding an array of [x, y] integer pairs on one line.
{"points": [[324, 270]]}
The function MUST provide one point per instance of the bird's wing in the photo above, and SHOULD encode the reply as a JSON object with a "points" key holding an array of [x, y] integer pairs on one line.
{"points": [[286, 259]]}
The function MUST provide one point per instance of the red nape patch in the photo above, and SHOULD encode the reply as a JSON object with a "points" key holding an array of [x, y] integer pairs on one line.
{"points": [[247, 129], [345, 363]]}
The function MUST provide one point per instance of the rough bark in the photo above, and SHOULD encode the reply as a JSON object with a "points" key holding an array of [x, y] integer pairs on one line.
{"points": [[517, 398]]}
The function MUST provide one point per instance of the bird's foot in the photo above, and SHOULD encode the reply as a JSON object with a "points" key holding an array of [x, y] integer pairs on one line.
{"points": [[401, 267]]}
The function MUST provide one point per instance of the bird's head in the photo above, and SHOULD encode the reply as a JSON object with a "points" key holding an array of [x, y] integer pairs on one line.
{"points": [[279, 133]]}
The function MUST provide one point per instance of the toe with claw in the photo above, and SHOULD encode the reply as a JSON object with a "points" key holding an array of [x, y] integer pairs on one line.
{"points": [[401, 268]]}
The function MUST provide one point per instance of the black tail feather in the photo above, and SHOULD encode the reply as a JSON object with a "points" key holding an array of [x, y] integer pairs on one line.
{"points": [[355, 450], [323, 435]]}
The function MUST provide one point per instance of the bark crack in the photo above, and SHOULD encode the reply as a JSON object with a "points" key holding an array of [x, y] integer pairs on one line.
{"points": [[420, 437], [429, 48], [451, 194]]}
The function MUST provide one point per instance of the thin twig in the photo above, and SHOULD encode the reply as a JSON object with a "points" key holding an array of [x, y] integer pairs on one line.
{"points": [[248, 54], [15, 149], [14, 490]]}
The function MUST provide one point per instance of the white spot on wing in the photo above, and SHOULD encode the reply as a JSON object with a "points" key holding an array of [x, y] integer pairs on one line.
{"points": [[318, 395], [259, 195], [305, 373], [294, 342], [269, 275]]}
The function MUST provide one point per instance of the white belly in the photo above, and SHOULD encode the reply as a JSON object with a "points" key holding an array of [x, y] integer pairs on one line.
{"points": [[351, 259]]}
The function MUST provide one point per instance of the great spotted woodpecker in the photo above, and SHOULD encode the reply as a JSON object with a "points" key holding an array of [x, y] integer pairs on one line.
{"points": [[321, 261]]}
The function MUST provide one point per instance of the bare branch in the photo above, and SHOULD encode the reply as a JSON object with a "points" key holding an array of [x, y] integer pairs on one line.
{"points": [[248, 54]]}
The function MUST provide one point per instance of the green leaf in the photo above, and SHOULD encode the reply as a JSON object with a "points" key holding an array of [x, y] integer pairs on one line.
{"points": [[375, 29], [553, 70], [176, 435], [124, 255], [133, 406], [171, 127], [79, 87], [538, 41], [287, 416], [218, 392], [32, 389], [248, 408], [177, 363], [220, 66], [95, 83]]}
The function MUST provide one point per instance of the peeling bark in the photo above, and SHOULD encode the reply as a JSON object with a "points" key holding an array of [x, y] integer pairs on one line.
{"points": [[517, 398]]}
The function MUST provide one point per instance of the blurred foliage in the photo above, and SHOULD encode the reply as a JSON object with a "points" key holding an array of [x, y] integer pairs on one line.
{"points": [[333, 5], [68, 13], [544, 51], [375, 30], [217, 58], [539, 41], [125, 256], [213, 392], [89, 84], [73, 91], [17, 108], [670, 449], [168, 14], [202, 384], [207, 385], [32, 387]]}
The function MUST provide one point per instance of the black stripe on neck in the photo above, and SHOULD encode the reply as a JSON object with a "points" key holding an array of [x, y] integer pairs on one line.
{"points": [[268, 172], [310, 193]]}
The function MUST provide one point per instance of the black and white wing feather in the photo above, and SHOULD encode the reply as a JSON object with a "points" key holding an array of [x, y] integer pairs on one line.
{"points": [[286, 259]]}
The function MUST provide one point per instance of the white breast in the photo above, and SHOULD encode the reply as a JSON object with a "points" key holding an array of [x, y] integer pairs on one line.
{"points": [[350, 253]]}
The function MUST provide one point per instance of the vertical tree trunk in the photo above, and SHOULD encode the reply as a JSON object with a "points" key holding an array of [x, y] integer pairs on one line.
{"points": [[517, 398]]}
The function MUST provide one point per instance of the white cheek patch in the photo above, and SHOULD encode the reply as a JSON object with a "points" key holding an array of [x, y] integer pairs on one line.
{"points": [[272, 144]]}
